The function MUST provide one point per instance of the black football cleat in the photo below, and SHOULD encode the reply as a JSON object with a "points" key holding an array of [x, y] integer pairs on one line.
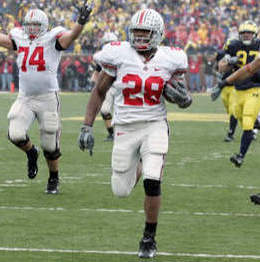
{"points": [[147, 248], [52, 186], [229, 138], [32, 163], [255, 199], [109, 138], [237, 160]]}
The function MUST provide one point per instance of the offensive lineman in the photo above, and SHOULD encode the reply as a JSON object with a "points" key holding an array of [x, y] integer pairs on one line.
{"points": [[138, 70], [39, 52]]}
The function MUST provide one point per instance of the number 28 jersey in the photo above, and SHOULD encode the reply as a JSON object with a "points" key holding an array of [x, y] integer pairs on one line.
{"points": [[139, 84], [38, 61]]}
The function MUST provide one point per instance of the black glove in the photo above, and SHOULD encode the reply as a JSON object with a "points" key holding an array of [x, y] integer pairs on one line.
{"points": [[86, 139], [176, 92], [84, 12], [216, 90]]}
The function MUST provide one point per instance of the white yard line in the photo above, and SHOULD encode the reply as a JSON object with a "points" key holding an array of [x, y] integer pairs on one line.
{"points": [[110, 210], [216, 186], [115, 252]]}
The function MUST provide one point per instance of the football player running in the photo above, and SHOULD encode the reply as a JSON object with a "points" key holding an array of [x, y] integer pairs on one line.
{"points": [[247, 84], [225, 66], [138, 70], [107, 106], [39, 53]]}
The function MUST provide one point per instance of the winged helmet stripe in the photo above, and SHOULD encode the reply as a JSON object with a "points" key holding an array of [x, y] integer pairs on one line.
{"points": [[142, 17]]}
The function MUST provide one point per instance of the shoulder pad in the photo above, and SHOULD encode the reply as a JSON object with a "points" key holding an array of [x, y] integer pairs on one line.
{"points": [[178, 58], [56, 32], [109, 58], [231, 43]]}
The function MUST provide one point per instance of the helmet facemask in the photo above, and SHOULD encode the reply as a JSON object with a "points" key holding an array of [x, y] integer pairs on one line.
{"points": [[142, 40], [247, 37], [33, 30]]}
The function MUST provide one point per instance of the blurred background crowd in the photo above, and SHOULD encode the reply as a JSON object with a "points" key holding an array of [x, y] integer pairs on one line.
{"points": [[201, 27]]}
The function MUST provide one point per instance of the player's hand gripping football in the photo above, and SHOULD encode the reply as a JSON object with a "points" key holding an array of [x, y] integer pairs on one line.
{"points": [[84, 12], [86, 139], [176, 92]]}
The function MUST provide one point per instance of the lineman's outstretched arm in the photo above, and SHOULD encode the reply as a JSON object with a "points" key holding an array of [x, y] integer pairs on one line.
{"points": [[67, 38], [6, 42]]}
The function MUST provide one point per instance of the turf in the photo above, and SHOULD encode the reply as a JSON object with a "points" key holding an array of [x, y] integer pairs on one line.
{"points": [[206, 214]]}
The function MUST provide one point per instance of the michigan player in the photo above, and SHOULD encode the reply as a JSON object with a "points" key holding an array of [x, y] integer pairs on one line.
{"points": [[247, 103], [226, 66]]}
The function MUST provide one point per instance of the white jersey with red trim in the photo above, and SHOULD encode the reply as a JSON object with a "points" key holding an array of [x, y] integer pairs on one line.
{"points": [[139, 84], [38, 61]]}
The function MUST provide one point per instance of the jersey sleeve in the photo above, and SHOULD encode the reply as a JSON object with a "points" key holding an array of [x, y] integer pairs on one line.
{"points": [[179, 60], [109, 58], [15, 35], [57, 32]]}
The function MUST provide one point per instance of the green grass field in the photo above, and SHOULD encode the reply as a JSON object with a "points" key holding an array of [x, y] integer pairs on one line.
{"points": [[206, 214]]}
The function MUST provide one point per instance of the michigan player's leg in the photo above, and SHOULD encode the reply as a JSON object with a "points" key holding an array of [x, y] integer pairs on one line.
{"points": [[153, 152], [228, 99], [20, 119], [50, 129], [251, 105], [106, 113]]}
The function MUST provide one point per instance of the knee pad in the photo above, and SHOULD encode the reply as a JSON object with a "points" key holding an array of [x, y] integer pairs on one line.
{"points": [[152, 187], [106, 116], [18, 141], [15, 135], [120, 187], [52, 155], [50, 122]]}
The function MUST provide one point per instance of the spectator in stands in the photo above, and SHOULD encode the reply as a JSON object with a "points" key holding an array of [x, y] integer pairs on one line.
{"points": [[6, 72]]}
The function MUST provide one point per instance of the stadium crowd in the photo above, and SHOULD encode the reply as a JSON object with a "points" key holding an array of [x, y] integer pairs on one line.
{"points": [[199, 26]]}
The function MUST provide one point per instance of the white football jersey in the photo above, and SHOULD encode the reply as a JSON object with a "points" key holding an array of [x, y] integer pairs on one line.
{"points": [[139, 84], [38, 61]]}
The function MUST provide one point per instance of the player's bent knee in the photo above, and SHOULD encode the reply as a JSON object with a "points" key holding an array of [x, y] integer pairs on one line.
{"points": [[248, 123], [52, 155], [106, 116], [120, 187], [152, 187], [18, 138]]}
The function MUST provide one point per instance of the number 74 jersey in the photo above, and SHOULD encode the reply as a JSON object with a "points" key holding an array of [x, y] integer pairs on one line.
{"points": [[138, 83], [38, 61]]}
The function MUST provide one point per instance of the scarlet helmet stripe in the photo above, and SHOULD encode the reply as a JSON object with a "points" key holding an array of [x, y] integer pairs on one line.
{"points": [[32, 13], [142, 17]]}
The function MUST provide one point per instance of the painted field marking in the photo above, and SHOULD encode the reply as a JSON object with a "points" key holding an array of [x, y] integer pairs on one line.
{"points": [[116, 252], [200, 117], [110, 210]]}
